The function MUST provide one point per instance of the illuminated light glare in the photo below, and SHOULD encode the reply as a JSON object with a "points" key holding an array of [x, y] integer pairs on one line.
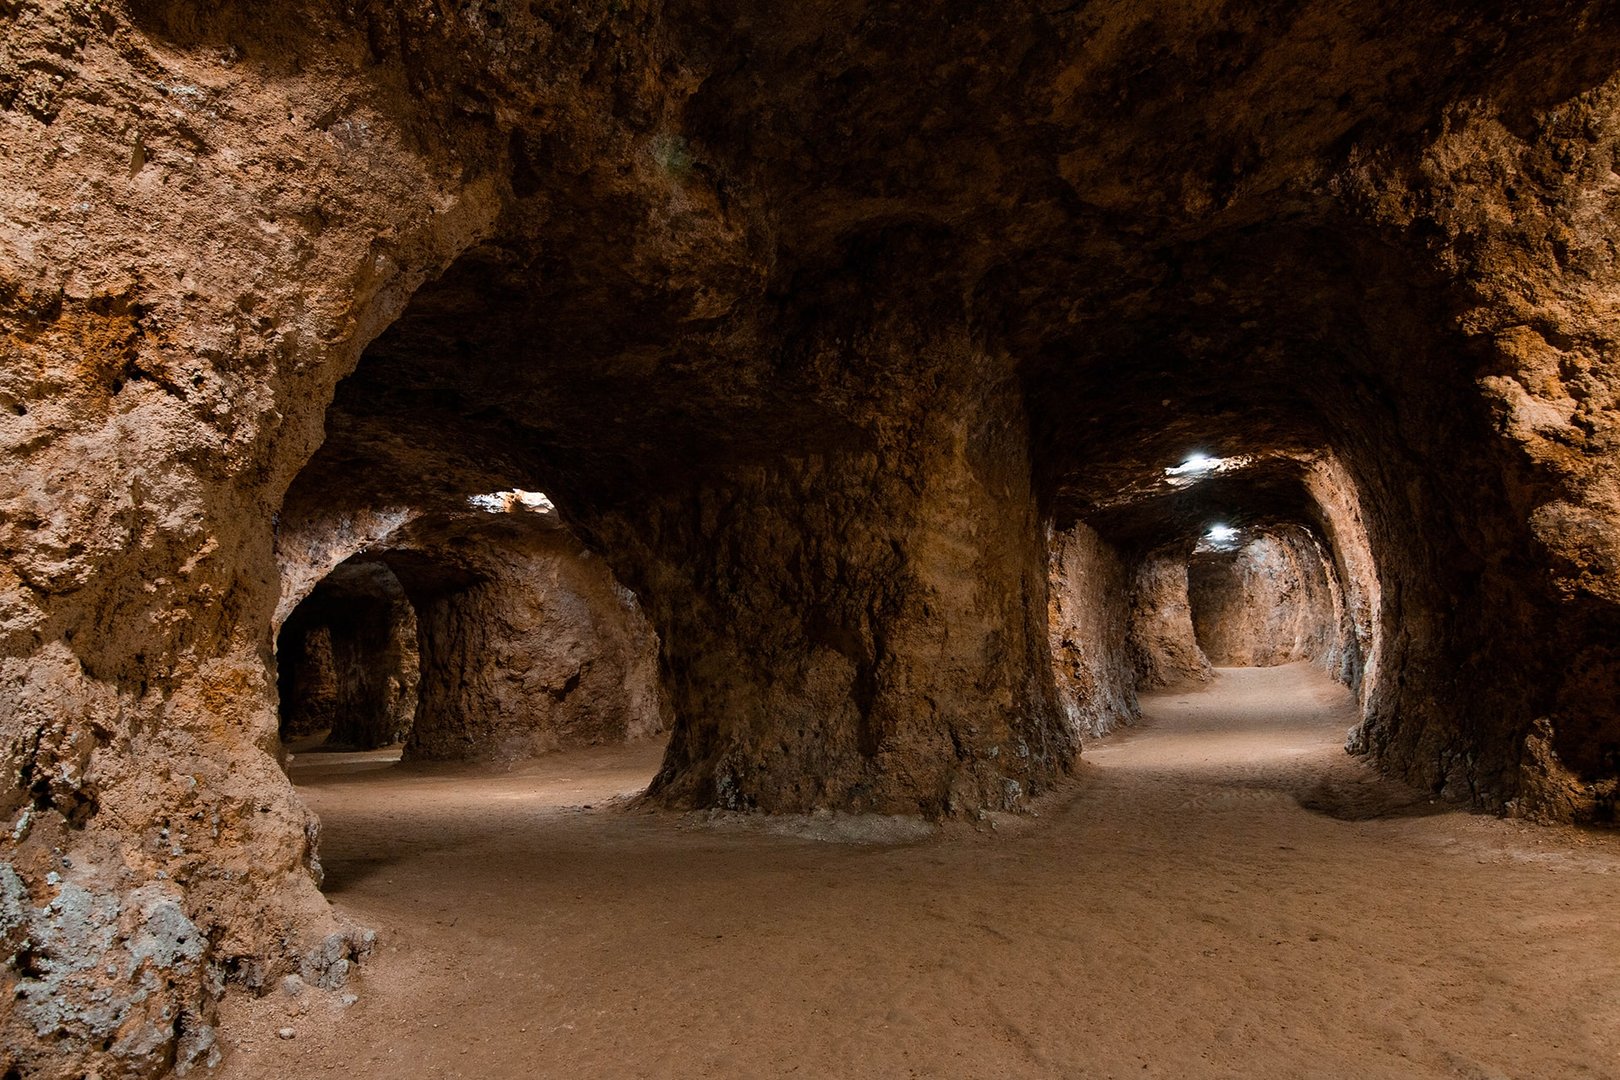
{"points": [[1200, 466], [1220, 534], [1195, 465], [509, 502]]}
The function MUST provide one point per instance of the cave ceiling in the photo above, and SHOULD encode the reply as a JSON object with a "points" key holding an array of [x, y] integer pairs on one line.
{"points": [[1138, 208]]}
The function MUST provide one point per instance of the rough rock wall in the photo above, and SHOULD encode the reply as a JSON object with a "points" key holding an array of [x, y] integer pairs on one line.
{"points": [[346, 660], [1519, 211], [1269, 602], [544, 651], [1353, 575], [863, 627], [1088, 614], [1162, 646], [174, 311], [310, 547]]}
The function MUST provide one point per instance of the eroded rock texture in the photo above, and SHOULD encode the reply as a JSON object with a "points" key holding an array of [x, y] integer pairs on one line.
{"points": [[542, 650], [1161, 643], [811, 320], [1268, 601], [1338, 524], [1089, 621]]}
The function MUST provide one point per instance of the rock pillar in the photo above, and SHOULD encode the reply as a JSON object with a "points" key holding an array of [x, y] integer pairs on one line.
{"points": [[863, 628]]}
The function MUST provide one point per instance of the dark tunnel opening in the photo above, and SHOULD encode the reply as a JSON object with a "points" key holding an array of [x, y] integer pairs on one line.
{"points": [[347, 662]]}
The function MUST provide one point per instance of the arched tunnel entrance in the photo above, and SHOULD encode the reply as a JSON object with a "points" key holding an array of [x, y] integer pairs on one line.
{"points": [[347, 662], [487, 634]]}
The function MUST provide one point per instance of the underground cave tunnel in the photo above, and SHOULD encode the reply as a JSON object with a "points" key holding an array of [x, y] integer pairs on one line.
{"points": [[484, 633], [885, 371], [1263, 599], [346, 661]]}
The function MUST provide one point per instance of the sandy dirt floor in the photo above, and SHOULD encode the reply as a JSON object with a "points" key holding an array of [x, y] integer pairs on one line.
{"points": [[1223, 892]]}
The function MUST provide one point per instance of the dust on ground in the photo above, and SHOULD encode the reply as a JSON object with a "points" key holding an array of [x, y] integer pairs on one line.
{"points": [[1222, 892]]}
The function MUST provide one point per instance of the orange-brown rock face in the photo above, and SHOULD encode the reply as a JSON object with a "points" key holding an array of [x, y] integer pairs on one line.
{"points": [[1267, 601], [1162, 645], [811, 321], [541, 650], [1089, 623], [521, 641]]}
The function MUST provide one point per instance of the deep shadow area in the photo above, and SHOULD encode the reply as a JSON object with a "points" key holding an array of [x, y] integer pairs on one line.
{"points": [[347, 661]]}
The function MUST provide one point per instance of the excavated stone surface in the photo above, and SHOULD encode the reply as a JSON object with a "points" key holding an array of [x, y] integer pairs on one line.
{"points": [[1269, 601], [1088, 620], [1160, 642], [1517, 207], [545, 650], [809, 318]]}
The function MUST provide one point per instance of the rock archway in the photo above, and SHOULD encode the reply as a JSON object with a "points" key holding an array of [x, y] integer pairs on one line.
{"points": [[520, 641], [347, 660]]}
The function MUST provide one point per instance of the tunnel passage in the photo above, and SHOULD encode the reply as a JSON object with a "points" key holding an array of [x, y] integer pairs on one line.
{"points": [[1250, 559], [812, 321], [1264, 600], [1257, 558], [813, 418], [521, 641], [900, 666], [347, 661]]}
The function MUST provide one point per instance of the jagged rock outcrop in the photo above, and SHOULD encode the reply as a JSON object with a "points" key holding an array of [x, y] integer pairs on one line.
{"points": [[810, 320], [1161, 644], [1088, 622]]}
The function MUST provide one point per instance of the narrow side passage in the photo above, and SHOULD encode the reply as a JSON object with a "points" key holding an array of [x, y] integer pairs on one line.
{"points": [[347, 661], [1227, 894]]}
